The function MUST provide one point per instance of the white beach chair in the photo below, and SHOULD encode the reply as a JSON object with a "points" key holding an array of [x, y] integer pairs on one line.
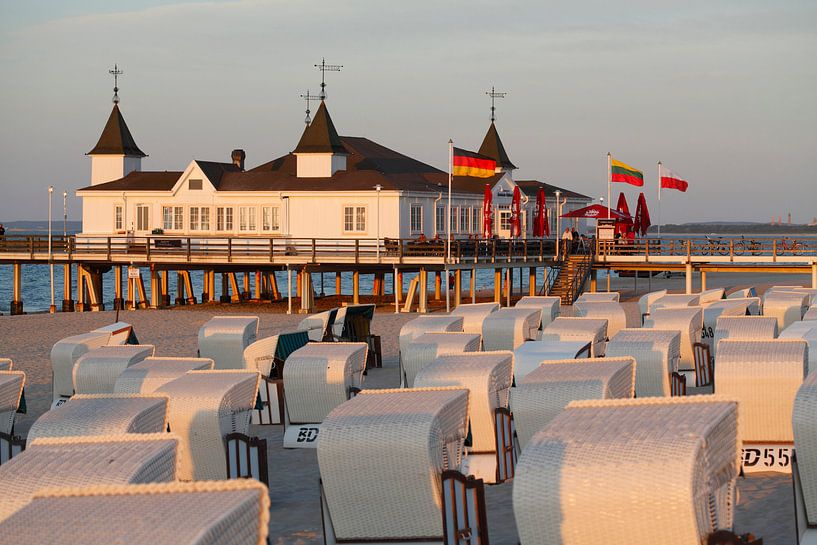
{"points": [[204, 513], [786, 306], [409, 438], [546, 391], [710, 296], [224, 338], [428, 347], [656, 352], [743, 293], [6, 364], [811, 314], [119, 333], [488, 377], [764, 377], [689, 321], [591, 330], [152, 373], [713, 311], [96, 371], [806, 331], [612, 312], [811, 292], [86, 462], [646, 301], [428, 324], [507, 328], [752, 304], [531, 354], [804, 471], [591, 477], [103, 414], [64, 355], [549, 305], [754, 328], [318, 325], [204, 408], [11, 394], [599, 297], [676, 300], [473, 315], [318, 378]]}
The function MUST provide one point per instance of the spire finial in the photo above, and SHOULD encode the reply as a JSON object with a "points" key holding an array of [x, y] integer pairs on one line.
{"points": [[324, 68], [307, 97], [116, 72], [494, 95]]}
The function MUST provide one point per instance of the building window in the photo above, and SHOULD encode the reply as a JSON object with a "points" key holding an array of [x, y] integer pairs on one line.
{"points": [[354, 219], [454, 212], [464, 219], [142, 217], [416, 218], [178, 218], [194, 185], [439, 223], [224, 218], [205, 218], [475, 217], [118, 217], [194, 218], [269, 218], [505, 220], [172, 218], [246, 218]]}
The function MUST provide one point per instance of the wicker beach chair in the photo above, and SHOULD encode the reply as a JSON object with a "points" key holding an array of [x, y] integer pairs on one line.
{"points": [[656, 352], [549, 305], [508, 328], [428, 324], [689, 321], [64, 355], [224, 338], [743, 327], [488, 377], [473, 315], [742, 293], [811, 292], [591, 330], [428, 347], [152, 373], [804, 471], [786, 306], [752, 304], [612, 312], [676, 300], [715, 310], [204, 407], [634, 471], [811, 314], [232, 512], [318, 326], [6, 364], [86, 461], [408, 439], [599, 297], [11, 397], [103, 414], [806, 331], [353, 324], [646, 301], [710, 296], [531, 354], [119, 333], [96, 371], [546, 391]]}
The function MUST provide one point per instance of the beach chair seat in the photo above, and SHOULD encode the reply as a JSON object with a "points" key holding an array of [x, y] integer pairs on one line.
{"points": [[428, 347], [103, 414], [96, 371], [204, 407], [508, 328], [474, 315], [531, 354], [787, 307], [12, 384], [612, 312], [83, 461], [488, 377], [546, 391], [549, 305], [806, 331], [656, 352], [428, 324], [318, 326], [804, 472], [203, 513], [148, 375], [224, 338], [591, 476], [646, 301], [710, 296], [599, 297], [64, 355], [689, 321], [407, 438], [743, 327], [676, 300], [591, 330], [678, 384]]}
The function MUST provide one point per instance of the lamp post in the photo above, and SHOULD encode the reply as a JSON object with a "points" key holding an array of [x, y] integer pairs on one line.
{"points": [[65, 214], [558, 221], [52, 309], [377, 188]]}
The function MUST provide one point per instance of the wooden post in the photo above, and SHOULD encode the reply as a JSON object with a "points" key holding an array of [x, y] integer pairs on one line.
{"points": [[118, 301], [423, 288], [140, 286], [532, 281], [67, 298], [206, 294], [703, 280], [497, 285], [398, 288], [509, 286], [236, 291], [814, 275], [338, 284], [298, 283], [16, 306], [130, 302], [274, 291], [457, 287], [80, 289], [180, 289], [257, 294], [594, 281], [438, 282], [473, 285], [165, 279], [307, 293], [155, 289], [356, 287], [225, 289], [689, 278], [95, 292], [188, 286], [245, 294]]}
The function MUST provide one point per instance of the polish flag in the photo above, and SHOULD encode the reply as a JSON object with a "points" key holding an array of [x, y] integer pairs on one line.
{"points": [[670, 180]]}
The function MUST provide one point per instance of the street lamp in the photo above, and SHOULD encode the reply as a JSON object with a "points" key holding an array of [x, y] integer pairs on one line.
{"points": [[558, 221], [65, 215], [378, 187], [52, 309]]}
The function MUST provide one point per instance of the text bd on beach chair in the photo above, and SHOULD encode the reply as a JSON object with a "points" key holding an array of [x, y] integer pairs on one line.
{"points": [[787, 307], [656, 352], [646, 301], [546, 391], [318, 378], [612, 312], [764, 377], [549, 305], [232, 512], [531, 354], [318, 326], [804, 464], [96, 371], [224, 338], [11, 395], [487, 376], [591, 330], [412, 329], [64, 355], [152, 373], [353, 324], [210, 412], [590, 477], [428, 347], [268, 356], [473, 315], [410, 489], [86, 462], [689, 322], [806, 331], [508, 328], [752, 328], [599, 297]]}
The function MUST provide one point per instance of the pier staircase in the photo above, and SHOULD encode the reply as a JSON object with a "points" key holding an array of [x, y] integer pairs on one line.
{"points": [[571, 276]]}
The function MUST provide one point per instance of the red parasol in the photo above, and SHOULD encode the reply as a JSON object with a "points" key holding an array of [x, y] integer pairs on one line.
{"points": [[642, 216], [622, 226], [595, 211], [516, 216], [487, 227], [540, 222]]}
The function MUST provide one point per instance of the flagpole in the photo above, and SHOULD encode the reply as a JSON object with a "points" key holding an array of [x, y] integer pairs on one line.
{"points": [[609, 183], [659, 199], [448, 223]]}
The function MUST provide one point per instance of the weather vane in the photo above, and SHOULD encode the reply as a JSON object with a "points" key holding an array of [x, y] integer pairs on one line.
{"points": [[494, 95], [116, 72], [324, 68], [307, 97]]}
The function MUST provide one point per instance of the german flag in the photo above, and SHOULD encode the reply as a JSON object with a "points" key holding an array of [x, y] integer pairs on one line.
{"points": [[621, 172], [468, 163]]}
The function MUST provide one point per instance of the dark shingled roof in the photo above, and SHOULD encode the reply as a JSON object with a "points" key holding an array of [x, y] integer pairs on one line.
{"points": [[116, 139], [492, 147], [140, 181], [216, 171], [320, 136], [531, 187]]}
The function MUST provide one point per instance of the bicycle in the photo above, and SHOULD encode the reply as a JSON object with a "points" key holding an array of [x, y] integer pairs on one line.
{"points": [[714, 246], [793, 246], [753, 246]]}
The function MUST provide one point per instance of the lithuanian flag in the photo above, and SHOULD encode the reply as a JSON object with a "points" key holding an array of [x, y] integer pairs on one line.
{"points": [[621, 172], [468, 163]]}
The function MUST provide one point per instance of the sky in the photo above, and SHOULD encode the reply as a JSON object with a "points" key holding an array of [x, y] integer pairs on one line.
{"points": [[722, 91]]}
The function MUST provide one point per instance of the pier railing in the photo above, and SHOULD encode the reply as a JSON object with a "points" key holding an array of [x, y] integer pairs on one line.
{"points": [[709, 249]]}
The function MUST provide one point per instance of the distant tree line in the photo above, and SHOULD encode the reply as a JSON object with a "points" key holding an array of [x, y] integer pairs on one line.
{"points": [[736, 229]]}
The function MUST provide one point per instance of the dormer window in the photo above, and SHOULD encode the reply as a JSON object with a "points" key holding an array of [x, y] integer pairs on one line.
{"points": [[194, 185]]}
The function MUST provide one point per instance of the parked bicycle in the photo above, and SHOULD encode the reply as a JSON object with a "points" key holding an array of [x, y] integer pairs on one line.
{"points": [[743, 245], [714, 246], [792, 246]]}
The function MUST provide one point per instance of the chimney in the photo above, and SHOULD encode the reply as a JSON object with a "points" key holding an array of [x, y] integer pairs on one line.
{"points": [[238, 156]]}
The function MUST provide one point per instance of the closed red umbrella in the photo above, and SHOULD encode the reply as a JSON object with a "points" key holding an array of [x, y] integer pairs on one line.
{"points": [[642, 216], [516, 204], [623, 225], [540, 222], [487, 227]]}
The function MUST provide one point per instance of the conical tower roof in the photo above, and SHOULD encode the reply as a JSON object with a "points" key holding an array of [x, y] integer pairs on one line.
{"points": [[492, 147], [116, 139], [320, 136]]}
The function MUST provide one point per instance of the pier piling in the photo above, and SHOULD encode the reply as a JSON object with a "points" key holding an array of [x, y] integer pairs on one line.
{"points": [[16, 306], [67, 298]]}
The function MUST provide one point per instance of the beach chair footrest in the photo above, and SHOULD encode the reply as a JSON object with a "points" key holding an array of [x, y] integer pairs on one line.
{"points": [[247, 457], [464, 515], [10, 446]]}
